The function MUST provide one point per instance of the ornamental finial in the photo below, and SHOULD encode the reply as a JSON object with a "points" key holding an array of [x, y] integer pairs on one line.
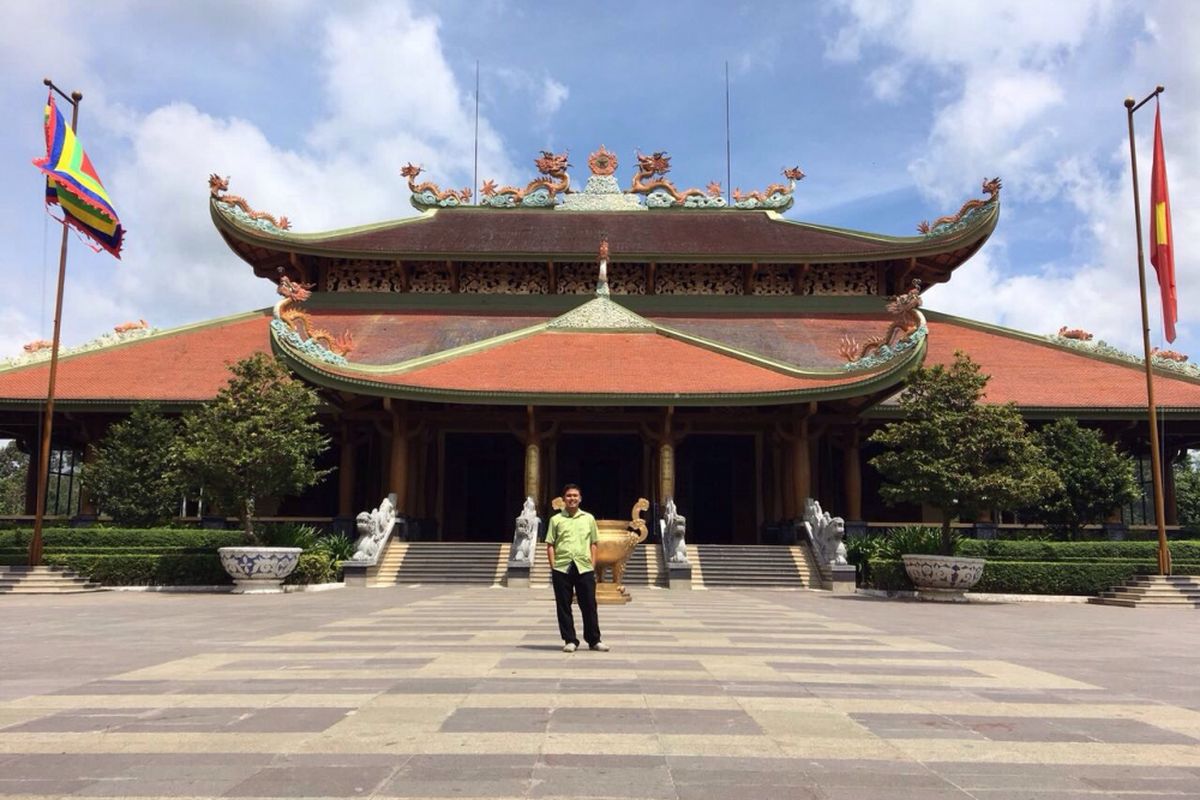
{"points": [[602, 282]]}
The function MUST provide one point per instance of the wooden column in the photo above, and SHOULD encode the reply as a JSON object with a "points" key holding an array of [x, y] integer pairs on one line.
{"points": [[398, 468], [87, 500], [852, 465], [801, 466], [666, 459], [533, 457], [346, 474]]}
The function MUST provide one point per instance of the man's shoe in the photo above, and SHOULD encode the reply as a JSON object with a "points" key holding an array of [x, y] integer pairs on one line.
{"points": [[569, 647], [601, 646]]}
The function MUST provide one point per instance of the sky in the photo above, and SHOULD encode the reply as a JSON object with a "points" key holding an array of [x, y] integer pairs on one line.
{"points": [[895, 110]]}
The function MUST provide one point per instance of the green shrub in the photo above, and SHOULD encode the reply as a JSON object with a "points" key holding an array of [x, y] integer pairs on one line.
{"points": [[313, 567], [132, 474], [336, 546], [1037, 577], [128, 569], [287, 534], [998, 549], [123, 537]]}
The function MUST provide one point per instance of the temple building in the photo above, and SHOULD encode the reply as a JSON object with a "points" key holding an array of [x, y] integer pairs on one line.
{"points": [[642, 342]]}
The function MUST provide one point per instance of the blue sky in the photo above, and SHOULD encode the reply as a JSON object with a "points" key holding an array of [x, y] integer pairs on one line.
{"points": [[896, 111]]}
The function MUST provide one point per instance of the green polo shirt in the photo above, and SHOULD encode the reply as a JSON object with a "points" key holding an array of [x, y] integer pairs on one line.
{"points": [[572, 538]]}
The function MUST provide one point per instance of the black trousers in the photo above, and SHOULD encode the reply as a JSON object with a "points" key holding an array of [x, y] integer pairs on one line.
{"points": [[583, 585]]}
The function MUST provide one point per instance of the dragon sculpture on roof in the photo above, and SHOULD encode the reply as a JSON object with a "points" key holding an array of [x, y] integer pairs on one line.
{"points": [[296, 325], [540, 192], [429, 194], [651, 182], [217, 186], [777, 196], [907, 328], [991, 187]]}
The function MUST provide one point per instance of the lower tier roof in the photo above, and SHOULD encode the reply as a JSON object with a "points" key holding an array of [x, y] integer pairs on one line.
{"points": [[717, 359]]}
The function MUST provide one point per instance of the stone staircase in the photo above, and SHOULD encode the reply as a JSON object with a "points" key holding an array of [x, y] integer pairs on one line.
{"points": [[1153, 590], [722, 566], [644, 568], [441, 562], [44, 580]]}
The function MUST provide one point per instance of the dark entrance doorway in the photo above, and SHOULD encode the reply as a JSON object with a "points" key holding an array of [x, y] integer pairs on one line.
{"points": [[608, 469], [715, 482], [483, 482]]}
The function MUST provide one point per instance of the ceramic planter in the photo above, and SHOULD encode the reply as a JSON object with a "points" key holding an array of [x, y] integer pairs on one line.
{"points": [[258, 569], [943, 578]]}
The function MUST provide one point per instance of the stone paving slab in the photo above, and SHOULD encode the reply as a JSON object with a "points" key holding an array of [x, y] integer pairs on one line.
{"points": [[463, 692]]}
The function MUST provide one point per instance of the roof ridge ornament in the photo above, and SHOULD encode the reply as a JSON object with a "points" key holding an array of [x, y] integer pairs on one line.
{"points": [[430, 195], [907, 329], [950, 222], [294, 325], [217, 186], [775, 197], [602, 280], [651, 182], [540, 192]]}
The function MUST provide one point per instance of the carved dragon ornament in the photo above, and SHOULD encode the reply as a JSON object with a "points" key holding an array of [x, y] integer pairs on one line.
{"points": [[906, 330], [540, 192], [218, 187], [295, 326], [947, 223], [430, 195]]}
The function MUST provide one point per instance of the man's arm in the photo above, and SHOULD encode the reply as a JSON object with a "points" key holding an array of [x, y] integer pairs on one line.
{"points": [[551, 538]]}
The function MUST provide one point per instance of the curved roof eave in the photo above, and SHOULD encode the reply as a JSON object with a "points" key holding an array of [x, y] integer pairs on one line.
{"points": [[892, 373], [325, 243]]}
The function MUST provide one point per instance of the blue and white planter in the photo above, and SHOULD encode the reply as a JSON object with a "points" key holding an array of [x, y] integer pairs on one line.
{"points": [[259, 570], [943, 578]]}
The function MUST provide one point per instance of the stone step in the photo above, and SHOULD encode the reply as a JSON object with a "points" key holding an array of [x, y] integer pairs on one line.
{"points": [[730, 566], [1153, 590], [44, 580]]}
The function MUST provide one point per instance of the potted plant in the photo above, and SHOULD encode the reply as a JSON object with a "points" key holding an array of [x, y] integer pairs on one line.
{"points": [[962, 456], [257, 438]]}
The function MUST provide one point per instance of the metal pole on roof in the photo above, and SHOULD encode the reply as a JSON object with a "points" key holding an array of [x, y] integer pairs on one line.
{"points": [[475, 180], [35, 542], [728, 167], [1164, 552]]}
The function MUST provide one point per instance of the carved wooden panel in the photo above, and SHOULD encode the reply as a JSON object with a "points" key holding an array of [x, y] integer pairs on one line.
{"points": [[773, 279], [429, 277], [698, 279], [842, 279], [356, 275], [503, 277], [580, 278]]}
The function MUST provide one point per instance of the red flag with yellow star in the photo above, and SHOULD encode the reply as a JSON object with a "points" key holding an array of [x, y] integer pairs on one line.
{"points": [[1162, 249]]}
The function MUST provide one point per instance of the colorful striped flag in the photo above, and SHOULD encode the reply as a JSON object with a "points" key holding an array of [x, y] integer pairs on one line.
{"points": [[72, 184], [1162, 249]]}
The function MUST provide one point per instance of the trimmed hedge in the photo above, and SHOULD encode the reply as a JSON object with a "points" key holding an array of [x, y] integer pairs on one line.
{"points": [[124, 538], [313, 568], [1038, 577], [127, 569], [1010, 550]]}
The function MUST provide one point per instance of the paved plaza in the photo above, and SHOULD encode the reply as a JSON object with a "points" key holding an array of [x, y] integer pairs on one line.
{"points": [[463, 692]]}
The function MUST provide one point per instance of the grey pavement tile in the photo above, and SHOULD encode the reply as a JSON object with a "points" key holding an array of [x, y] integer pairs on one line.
{"points": [[497, 720], [1028, 794], [163, 787], [296, 781], [874, 669], [425, 685], [288, 719], [1159, 785], [633, 782], [42, 786], [895, 793], [741, 777], [691, 688], [601, 720], [79, 721], [601, 760], [402, 786], [452, 761], [764, 789], [287, 663], [1123, 731]]}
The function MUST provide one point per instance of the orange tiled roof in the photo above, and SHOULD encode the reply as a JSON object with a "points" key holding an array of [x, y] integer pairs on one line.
{"points": [[1039, 374], [186, 364]]}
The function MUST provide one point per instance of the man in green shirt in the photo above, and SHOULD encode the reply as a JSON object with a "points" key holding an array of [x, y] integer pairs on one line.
{"points": [[571, 552]]}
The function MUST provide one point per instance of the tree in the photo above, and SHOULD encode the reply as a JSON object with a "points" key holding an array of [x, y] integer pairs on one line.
{"points": [[257, 438], [957, 454], [1095, 478], [1187, 492], [13, 467], [132, 474]]}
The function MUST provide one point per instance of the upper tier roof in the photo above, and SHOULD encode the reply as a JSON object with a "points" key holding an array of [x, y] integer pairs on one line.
{"points": [[673, 235]]}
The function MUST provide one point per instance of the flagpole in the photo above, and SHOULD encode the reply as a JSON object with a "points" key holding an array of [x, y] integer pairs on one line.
{"points": [[1164, 553], [35, 543]]}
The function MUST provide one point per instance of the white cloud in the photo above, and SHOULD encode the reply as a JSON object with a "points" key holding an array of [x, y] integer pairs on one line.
{"points": [[1032, 92], [554, 94]]}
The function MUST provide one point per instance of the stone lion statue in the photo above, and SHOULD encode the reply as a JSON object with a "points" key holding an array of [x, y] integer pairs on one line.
{"points": [[826, 532], [374, 527], [674, 532], [525, 533]]}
